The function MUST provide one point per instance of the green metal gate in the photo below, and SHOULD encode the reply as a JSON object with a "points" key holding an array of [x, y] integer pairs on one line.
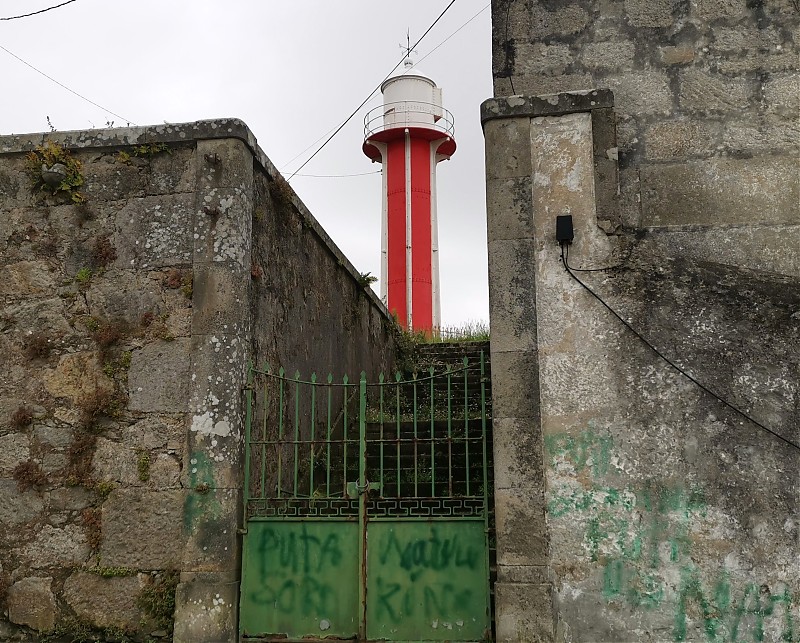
{"points": [[366, 508]]}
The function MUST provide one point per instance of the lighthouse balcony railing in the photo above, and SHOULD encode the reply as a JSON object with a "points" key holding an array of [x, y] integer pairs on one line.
{"points": [[408, 113]]}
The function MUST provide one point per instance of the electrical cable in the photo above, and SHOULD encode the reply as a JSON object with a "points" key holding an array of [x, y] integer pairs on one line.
{"points": [[72, 91], [338, 176], [299, 154], [508, 44], [592, 269], [453, 34], [702, 386], [364, 102], [26, 15]]}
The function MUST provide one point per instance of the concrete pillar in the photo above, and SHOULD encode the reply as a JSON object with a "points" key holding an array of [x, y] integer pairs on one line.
{"points": [[207, 599], [540, 163]]}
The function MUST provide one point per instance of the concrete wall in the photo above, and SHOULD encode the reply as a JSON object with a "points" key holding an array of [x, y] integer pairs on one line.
{"points": [[126, 327], [632, 505]]}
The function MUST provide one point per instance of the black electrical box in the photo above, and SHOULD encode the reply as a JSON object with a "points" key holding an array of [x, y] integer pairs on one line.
{"points": [[564, 233]]}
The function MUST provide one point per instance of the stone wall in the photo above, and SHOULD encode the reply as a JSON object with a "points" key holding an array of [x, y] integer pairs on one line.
{"points": [[707, 97], [131, 306], [632, 504]]}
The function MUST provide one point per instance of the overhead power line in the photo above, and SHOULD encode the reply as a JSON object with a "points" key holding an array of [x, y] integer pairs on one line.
{"points": [[299, 154], [453, 34], [60, 84], [364, 102], [34, 13], [338, 176]]}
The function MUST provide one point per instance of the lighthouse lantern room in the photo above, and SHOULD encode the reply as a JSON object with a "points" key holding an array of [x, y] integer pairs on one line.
{"points": [[409, 134]]}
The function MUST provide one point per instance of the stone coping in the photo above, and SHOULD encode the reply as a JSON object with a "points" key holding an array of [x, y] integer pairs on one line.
{"points": [[547, 105], [218, 128]]}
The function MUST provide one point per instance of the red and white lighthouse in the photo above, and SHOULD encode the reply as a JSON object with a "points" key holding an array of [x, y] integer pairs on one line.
{"points": [[410, 133]]}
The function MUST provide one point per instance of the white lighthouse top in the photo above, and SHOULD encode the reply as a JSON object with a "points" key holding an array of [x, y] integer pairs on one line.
{"points": [[410, 99], [409, 71]]}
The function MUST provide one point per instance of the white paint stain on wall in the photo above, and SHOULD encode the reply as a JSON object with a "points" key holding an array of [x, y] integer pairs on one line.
{"points": [[207, 425]]}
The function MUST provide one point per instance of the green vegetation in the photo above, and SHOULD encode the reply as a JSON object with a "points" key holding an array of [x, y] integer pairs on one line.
{"points": [[470, 331], [157, 600], [366, 279], [150, 149], [103, 488], [143, 465], [112, 572], [42, 159], [83, 276], [76, 630]]}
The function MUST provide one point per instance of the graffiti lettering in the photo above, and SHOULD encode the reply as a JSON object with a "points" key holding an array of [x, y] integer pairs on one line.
{"points": [[586, 450], [415, 556], [297, 552], [297, 570], [642, 539], [726, 619], [304, 595], [428, 573], [398, 601]]}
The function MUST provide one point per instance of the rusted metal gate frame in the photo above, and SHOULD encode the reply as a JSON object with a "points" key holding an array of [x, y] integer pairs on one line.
{"points": [[363, 488]]}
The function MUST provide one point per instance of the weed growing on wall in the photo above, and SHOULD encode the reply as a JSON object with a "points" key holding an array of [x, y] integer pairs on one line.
{"points": [[83, 277], [29, 475], [53, 170], [37, 346], [79, 460], [107, 334], [104, 488], [98, 403], [22, 417], [281, 190], [157, 599], [103, 251], [92, 520], [143, 465], [366, 279], [76, 630], [149, 150], [112, 572]]}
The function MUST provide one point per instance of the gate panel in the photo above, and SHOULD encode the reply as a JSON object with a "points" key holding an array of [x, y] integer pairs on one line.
{"points": [[300, 577], [426, 580]]}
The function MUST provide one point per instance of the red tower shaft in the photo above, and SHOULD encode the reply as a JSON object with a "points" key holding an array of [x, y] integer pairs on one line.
{"points": [[410, 136]]}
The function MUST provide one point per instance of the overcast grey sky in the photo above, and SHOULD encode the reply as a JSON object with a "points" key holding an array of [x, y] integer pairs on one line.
{"points": [[293, 70]]}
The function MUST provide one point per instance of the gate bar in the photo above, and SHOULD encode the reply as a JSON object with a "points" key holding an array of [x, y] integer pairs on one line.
{"points": [[363, 490]]}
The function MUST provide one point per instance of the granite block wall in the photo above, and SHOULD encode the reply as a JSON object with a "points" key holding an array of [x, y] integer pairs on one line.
{"points": [[134, 298]]}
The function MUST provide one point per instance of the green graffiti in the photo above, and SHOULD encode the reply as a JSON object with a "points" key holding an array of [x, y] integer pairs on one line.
{"points": [[397, 602], [200, 506], [632, 532], [297, 552], [759, 603], [627, 582], [587, 449], [712, 610], [417, 555]]}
